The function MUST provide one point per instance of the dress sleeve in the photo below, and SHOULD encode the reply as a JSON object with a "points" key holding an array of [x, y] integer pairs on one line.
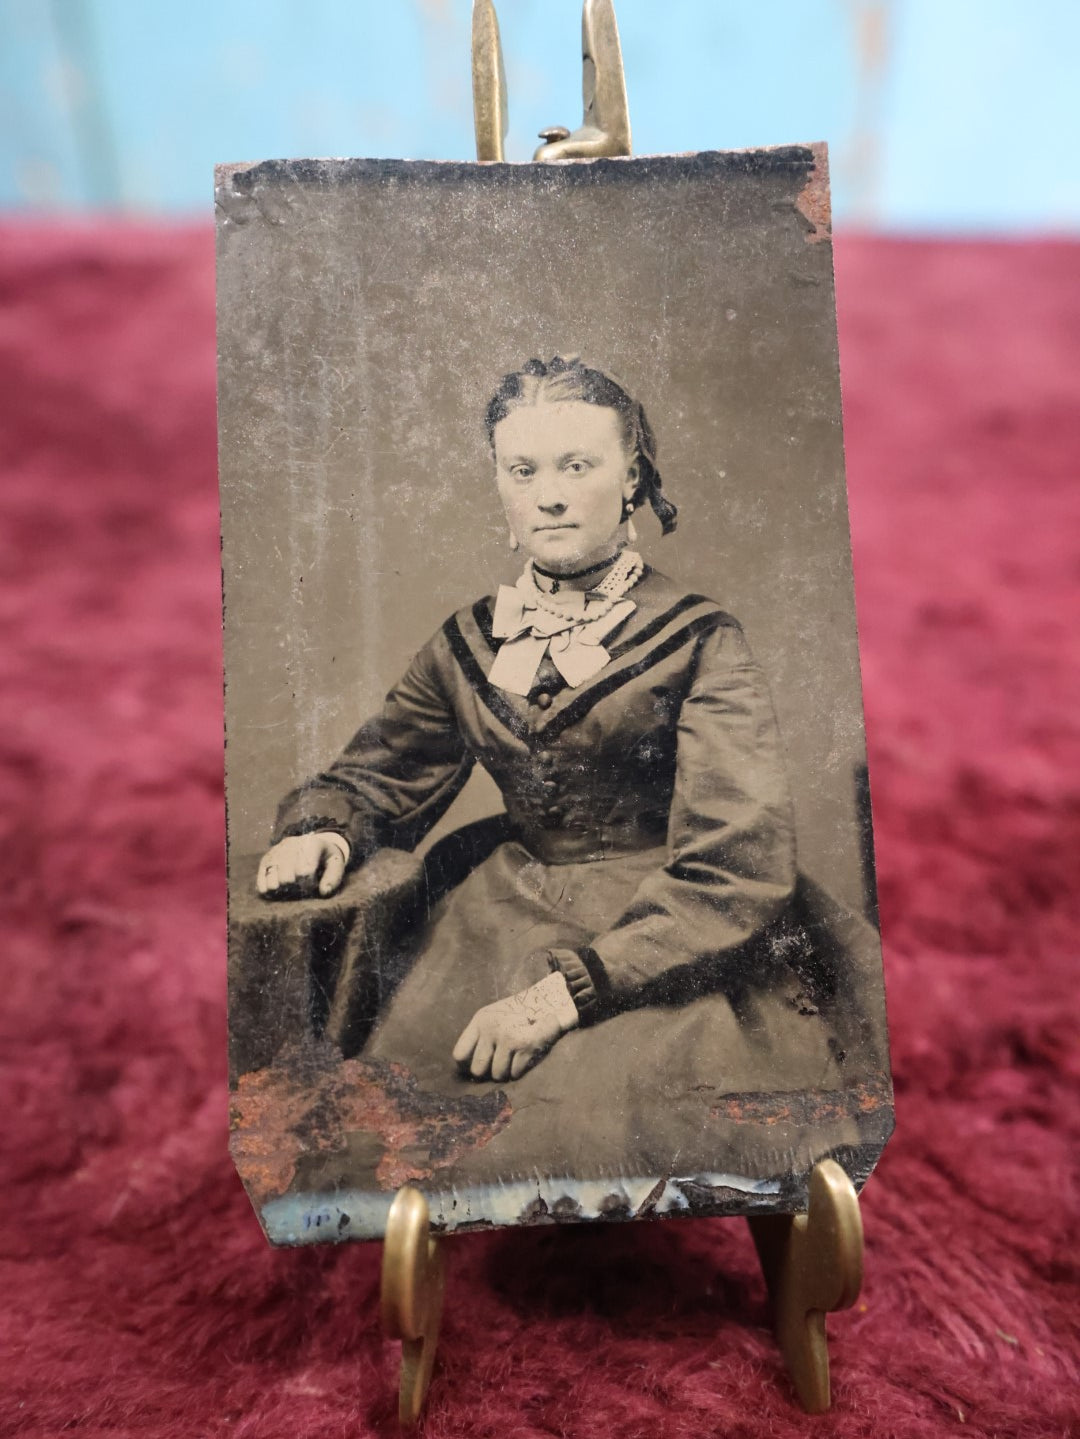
{"points": [[397, 775], [731, 844]]}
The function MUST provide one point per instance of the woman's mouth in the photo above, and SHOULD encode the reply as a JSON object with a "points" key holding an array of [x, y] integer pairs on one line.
{"points": [[548, 529]]}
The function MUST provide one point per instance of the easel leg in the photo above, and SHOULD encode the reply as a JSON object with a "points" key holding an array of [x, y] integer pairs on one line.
{"points": [[812, 1265], [412, 1296]]}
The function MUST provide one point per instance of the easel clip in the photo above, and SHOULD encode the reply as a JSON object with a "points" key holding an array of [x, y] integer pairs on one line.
{"points": [[605, 125]]}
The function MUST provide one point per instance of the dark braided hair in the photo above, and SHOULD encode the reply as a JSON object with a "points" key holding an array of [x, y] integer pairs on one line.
{"points": [[568, 379]]}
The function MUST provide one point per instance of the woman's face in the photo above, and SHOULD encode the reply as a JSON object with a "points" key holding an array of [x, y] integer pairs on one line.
{"points": [[564, 474]]}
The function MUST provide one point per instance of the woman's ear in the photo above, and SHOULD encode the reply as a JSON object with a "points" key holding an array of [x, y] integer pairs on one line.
{"points": [[633, 478]]}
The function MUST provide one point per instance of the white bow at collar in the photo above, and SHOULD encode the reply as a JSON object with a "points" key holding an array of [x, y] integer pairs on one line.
{"points": [[528, 633]]}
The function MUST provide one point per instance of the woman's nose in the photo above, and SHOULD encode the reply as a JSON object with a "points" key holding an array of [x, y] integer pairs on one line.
{"points": [[549, 492]]}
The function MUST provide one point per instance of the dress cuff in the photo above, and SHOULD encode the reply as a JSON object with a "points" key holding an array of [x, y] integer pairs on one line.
{"points": [[587, 981]]}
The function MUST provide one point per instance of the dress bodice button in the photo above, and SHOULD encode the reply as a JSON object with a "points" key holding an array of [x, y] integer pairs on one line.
{"points": [[543, 699]]}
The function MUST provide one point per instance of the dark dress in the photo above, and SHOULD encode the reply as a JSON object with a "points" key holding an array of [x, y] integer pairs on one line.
{"points": [[727, 1006]]}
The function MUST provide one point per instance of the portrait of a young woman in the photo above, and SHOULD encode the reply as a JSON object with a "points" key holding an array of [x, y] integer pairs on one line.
{"points": [[637, 966]]}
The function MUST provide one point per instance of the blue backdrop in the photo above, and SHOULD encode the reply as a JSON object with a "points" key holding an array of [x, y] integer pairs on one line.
{"points": [[943, 114]]}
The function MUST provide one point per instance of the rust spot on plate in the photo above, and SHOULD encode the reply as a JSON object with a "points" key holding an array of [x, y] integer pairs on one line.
{"points": [[803, 1107], [295, 1109], [813, 202]]}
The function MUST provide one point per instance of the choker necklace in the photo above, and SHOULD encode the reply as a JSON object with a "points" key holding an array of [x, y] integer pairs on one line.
{"points": [[573, 574], [586, 606]]}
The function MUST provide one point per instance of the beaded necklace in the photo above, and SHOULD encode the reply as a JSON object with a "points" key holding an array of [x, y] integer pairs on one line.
{"points": [[600, 600]]}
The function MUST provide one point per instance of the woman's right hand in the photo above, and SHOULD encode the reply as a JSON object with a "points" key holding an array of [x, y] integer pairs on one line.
{"points": [[295, 864]]}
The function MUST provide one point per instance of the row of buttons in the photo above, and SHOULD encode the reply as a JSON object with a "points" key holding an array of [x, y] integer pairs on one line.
{"points": [[552, 815]]}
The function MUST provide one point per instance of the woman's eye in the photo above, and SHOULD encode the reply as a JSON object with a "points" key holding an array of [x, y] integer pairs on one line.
{"points": [[521, 472], [576, 467]]}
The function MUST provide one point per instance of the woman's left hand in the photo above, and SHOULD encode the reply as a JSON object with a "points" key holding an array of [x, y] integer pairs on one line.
{"points": [[506, 1038]]}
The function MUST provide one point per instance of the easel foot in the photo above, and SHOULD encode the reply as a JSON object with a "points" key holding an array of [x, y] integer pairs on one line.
{"points": [[412, 1296], [812, 1265]]}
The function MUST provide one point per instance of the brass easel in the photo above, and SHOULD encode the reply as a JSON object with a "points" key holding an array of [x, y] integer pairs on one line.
{"points": [[812, 1262]]}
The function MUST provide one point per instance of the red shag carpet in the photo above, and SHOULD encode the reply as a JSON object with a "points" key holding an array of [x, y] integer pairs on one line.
{"points": [[138, 1295]]}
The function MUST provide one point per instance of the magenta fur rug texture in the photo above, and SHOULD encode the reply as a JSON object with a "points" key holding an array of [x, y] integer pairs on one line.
{"points": [[139, 1297]]}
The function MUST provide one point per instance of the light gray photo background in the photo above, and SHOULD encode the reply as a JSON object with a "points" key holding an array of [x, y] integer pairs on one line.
{"points": [[367, 311]]}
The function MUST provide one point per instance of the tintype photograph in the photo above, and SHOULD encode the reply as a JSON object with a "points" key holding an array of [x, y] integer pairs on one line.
{"points": [[550, 862]]}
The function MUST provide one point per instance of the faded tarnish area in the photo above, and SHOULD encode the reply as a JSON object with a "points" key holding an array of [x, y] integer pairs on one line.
{"points": [[814, 202], [239, 199], [301, 1109]]}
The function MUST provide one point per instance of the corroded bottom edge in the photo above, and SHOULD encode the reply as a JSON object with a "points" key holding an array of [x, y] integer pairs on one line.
{"points": [[343, 1214]]}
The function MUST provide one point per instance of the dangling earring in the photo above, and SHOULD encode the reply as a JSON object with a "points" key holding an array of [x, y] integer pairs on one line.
{"points": [[514, 542], [631, 533]]}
